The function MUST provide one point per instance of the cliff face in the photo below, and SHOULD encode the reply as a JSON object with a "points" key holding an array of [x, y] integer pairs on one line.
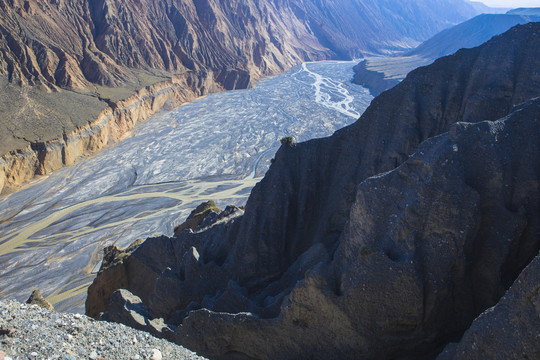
{"points": [[71, 43], [111, 125], [386, 239]]}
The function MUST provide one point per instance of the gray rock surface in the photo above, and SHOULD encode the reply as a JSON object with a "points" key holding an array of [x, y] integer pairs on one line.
{"points": [[37, 299], [509, 330], [31, 332], [128, 309], [385, 240]]}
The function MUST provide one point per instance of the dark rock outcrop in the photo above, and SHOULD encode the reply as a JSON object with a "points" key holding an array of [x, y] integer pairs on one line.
{"points": [[197, 216], [37, 299], [128, 309], [385, 240], [508, 330]]}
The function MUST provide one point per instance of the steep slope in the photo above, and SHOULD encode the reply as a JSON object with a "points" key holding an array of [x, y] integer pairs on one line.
{"points": [[380, 74], [469, 34], [83, 57], [72, 43], [386, 239]]}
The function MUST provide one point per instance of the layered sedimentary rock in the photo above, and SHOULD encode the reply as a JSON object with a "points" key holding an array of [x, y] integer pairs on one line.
{"points": [[385, 240], [111, 125], [65, 64]]}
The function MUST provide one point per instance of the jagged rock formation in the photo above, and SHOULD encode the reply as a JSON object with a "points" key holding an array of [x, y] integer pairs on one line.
{"points": [[380, 74], [197, 216], [64, 63], [384, 240], [37, 299]]}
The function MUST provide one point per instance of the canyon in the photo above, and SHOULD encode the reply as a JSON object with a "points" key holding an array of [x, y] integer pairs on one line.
{"points": [[377, 242], [69, 69], [401, 226], [53, 231]]}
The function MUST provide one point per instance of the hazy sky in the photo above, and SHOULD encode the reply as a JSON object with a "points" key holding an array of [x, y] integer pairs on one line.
{"points": [[511, 3]]}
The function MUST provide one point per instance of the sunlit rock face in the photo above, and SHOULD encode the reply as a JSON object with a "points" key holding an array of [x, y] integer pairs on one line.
{"points": [[98, 41], [384, 240]]}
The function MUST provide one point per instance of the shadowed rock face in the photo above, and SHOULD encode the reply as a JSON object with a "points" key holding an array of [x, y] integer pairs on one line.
{"points": [[386, 239], [509, 329]]}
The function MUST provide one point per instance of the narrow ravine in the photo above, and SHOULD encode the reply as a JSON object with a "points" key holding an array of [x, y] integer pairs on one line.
{"points": [[53, 231]]}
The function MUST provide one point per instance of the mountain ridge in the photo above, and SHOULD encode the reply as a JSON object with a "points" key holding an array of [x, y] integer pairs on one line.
{"points": [[379, 241], [379, 74]]}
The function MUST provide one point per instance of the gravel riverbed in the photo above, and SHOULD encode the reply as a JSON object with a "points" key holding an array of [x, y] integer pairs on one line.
{"points": [[30, 332]]}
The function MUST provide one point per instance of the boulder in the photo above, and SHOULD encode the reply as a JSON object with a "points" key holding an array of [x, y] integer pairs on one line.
{"points": [[37, 299]]}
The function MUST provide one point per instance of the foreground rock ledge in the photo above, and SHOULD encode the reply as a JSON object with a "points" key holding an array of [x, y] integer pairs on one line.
{"points": [[381, 241]]}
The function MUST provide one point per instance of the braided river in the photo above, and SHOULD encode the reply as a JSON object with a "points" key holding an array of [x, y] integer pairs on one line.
{"points": [[53, 231]]}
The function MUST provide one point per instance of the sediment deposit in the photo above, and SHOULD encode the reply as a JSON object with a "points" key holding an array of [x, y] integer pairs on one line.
{"points": [[112, 125]]}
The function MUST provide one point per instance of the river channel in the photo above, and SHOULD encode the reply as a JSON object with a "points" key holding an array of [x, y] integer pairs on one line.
{"points": [[52, 232]]}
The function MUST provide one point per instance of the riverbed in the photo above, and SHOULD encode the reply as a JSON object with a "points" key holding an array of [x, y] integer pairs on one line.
{"points": [[53, 231]]}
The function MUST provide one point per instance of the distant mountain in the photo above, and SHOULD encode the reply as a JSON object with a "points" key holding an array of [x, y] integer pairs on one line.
{"points": [[469, 34], [380, 74], [524, 11], [66, 65], [484, 9]]}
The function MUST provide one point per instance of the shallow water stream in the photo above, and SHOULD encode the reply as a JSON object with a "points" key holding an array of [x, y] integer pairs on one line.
{"points": [[53, 231]]}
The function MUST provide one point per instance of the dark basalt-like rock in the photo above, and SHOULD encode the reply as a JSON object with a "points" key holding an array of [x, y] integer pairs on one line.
{"points": [[37, 299], [385, 240], [508, 330]]}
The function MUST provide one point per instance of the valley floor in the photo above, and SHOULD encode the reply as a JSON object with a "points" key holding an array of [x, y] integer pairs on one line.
{"points": [[217, 147]]}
